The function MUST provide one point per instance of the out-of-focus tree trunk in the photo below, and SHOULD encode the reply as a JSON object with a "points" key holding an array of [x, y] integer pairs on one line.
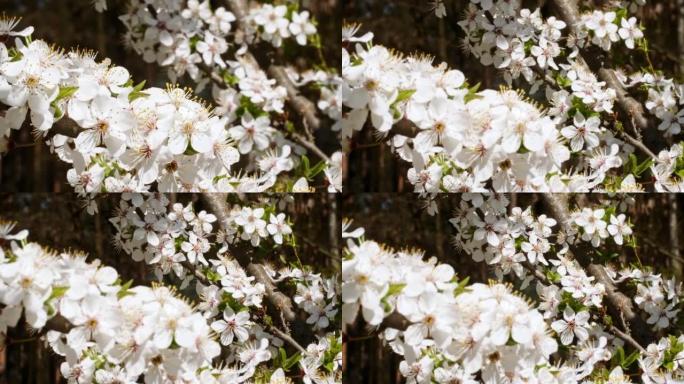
{"points": [[674, 234], [334, 231], [680, 36]]}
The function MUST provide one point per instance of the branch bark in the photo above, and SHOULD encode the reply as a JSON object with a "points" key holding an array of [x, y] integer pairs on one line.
{"points": [[619, 305], [280, 302], [569, 13], [303, 106]]}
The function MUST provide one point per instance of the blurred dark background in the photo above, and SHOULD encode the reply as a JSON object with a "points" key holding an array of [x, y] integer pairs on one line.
{"points": [[75, 24], [60, 222], [401, 222], [411, 27]]}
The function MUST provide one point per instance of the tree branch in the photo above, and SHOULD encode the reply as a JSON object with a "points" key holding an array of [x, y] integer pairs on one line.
{"points": [[569, 12], [619, 305], [287, 338], [303, 106], [279, 301], [299, 138]]}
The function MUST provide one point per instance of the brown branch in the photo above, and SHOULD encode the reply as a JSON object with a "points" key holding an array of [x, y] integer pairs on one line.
{"points": [[215, 77], [198, 274], [279, 301], [303, 106], [299, 138], [626, 337], [287, 338], [619, 305], [59, 324], [638, 144], [569, 12]]}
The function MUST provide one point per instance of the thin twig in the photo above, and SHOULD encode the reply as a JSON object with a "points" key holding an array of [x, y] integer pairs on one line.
{"points": [[629, 339], [279, 301], [300, 139], [287, 338]]}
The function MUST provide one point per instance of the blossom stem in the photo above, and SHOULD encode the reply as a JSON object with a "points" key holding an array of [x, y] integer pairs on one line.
{"points": [[287, 338]]}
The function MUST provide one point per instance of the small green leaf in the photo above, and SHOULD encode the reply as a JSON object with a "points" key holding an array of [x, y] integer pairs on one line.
{"points": [[65, 93], [124, 291], [461, 287], [394, 289], [137, 92], [404, 95], [58, 292]]}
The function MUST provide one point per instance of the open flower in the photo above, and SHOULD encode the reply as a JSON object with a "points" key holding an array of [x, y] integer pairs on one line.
{"points": [[233, 325], [573, 325]]}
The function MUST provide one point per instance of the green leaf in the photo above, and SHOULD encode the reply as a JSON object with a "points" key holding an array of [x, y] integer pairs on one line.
{"points": [[65, 93], [318, 168], [641, 168], [212, 275], [230, 79], [563, 81], [57, 292], [404, 95], [291, 361], [124, 291], [472, 93], [629, 360], [461, 287], [137, 92], [553, 276], [394, 289]]}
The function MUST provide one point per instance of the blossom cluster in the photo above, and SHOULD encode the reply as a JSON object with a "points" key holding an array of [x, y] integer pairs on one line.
{"points": [[381, 283], [118, 136], [117, 332], [551, 56], [453, 334], [662, 361], [567, 295], [195, 40], [658, 297], [450, 336], [464, 140], [521, 42], [174, 239], [150, 228]]}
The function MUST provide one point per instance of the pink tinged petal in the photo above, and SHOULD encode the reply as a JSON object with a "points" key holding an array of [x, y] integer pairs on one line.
{"points": [[86, 141], [511, 143], [577, 144], [492, 239], [581, 333], [115, 145], [148, 172], [533, 141], [15, 117], [415, 334], [219, 326], [443, 272], [165, 38], [559, 326], [228, 156], [245, 146], [152, 238]]}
